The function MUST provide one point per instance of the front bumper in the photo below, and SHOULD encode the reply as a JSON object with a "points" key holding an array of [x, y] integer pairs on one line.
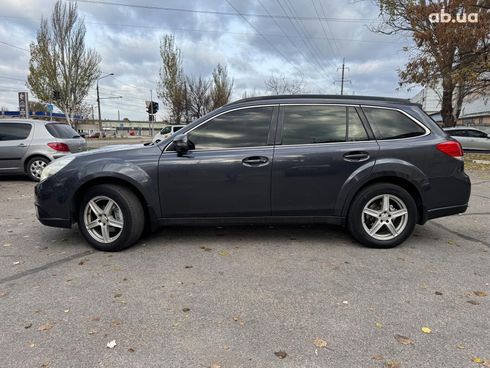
{"points": [[49, 210]]}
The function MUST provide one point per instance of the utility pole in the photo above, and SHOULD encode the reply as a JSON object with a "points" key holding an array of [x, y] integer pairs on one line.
{"points": [[342, 80], [151, 112], [98, 101]]}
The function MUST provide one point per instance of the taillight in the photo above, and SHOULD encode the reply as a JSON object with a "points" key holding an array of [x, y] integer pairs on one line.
{"points": [[60, 147], [451, 148]]}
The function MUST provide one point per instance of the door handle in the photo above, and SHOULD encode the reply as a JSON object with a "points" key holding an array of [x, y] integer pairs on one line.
{"points": [[22, 145], [255, 161], [356, 156]]}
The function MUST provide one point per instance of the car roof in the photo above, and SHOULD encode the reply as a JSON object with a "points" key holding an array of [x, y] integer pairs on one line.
{"points": [[312, 98], [462, 128], [32, 121]]}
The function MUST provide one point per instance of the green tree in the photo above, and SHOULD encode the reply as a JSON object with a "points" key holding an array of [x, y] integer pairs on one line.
{"points": [[221, 88], [172, 84], [454, 54], [61, 68]]}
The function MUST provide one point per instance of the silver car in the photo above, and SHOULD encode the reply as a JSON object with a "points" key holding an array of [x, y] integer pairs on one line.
{"points": [[470, 138], [28, 146]]}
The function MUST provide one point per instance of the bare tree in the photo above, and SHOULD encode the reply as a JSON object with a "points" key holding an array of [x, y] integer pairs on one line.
{"points": [[280, 85], [446, 51], [172, 85], [222, 87], [199, 98], [61, 68]]}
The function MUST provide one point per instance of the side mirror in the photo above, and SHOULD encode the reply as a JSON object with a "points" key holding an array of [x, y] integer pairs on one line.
{"points": [[181, 144]]}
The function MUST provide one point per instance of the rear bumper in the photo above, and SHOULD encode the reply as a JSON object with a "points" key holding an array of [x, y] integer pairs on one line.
{"points": [[446, 211]]}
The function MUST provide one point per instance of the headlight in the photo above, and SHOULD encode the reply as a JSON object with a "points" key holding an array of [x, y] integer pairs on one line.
{"points": [[56, 166]]}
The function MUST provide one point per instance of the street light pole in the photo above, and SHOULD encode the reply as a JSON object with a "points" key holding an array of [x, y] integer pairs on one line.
{"points": [[98, 102]]}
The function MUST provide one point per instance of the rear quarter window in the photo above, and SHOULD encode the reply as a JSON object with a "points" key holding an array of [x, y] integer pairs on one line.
{"points": [[62, 131], [392, 124]]}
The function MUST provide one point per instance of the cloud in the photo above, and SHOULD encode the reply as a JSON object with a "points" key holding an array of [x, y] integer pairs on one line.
{"points": [[128, 40]]}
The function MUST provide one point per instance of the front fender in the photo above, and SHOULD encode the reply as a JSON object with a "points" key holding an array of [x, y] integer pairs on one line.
{"points": [[383, 168]]}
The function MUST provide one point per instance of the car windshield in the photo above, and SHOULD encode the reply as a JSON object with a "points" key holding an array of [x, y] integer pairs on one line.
{"points": [[59, 130]]}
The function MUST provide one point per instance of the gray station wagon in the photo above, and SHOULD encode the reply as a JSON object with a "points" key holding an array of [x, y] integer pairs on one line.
{"points": [[28, 146], [378, 166]]}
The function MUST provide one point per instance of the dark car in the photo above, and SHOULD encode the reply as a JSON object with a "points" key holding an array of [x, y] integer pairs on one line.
{"points": [[376, 165]]}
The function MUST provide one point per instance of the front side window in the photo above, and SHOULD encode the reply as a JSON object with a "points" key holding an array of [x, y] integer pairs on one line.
{"points": [[310, 124], [234, 129], [476, 134], [457, 133], [392, 124], [14, 131], [165, 130]]}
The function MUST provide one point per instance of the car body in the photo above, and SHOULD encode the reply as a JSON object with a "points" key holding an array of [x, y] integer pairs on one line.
{"points": [[470, 138], [96, 135], [27, 146], [166, 132], [375, 165]]}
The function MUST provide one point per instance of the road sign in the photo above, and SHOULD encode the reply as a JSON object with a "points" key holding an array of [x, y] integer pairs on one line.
{"points": [[23, 105], [50, 107]]}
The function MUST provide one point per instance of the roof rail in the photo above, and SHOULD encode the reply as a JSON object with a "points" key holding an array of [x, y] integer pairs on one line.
{"points": [[319, 96]]}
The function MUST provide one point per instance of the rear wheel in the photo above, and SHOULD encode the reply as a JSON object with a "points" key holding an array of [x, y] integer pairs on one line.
{"points": [[382, 216], [35, 167], [111, 217]]}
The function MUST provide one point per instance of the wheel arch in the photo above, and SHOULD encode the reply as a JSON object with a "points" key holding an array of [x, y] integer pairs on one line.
{"points": [[150, 216], [402, 182], [30, 157]]}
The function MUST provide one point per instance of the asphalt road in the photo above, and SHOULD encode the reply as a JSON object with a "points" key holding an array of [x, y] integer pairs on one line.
{"points": [[235, 296]]}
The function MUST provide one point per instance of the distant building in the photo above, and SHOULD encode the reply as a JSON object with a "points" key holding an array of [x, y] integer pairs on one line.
{"points": [[475, 111]]}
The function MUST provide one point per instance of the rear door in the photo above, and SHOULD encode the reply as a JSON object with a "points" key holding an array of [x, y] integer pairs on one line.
{"points": [[14, 143], [227, 172], [319, 147]]}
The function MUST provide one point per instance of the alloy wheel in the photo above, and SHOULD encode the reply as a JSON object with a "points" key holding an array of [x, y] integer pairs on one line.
{"points": [[103, 219], [384, 217]]}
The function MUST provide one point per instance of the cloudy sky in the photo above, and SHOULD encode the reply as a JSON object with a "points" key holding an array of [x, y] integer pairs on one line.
{"points": [[255, 39]]}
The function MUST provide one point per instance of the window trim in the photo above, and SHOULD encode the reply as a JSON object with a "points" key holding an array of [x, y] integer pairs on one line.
{"points": [[272, 126], [427, 130]]}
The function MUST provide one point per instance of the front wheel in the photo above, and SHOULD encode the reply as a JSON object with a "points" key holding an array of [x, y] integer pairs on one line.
{"points": [[382, 216], [111, 217]]}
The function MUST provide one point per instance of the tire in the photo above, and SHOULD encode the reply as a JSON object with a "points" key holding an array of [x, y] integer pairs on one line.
{"points": [[389, 227], [35, 167], [126, 215]]}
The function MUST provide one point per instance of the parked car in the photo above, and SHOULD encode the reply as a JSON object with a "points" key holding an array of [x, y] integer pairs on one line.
{"points": [[376, 165], [96, 135], [470, 138], [166, 132], [28, 146]]}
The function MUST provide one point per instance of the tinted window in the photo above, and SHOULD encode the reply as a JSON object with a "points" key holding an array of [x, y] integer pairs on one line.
{"points": [[392, 124], [476, 134], [355, 131], [457, 133], [177, 128], [14, 131], [321, 124], [240, 128], [165, 130], [62, 131]]}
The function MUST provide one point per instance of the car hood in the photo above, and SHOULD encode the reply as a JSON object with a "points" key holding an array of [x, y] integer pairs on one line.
{"points": [[109, 149]]}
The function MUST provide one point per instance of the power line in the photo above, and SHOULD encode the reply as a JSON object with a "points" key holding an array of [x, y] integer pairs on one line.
{"points": [[15, 47], [323, 27], [214, 12], [324, 12], [266, 39]]}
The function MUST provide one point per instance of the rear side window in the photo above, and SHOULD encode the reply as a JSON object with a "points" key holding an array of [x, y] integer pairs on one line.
{"points": [[62, 131], [14, 131], [457, 133], [234, 129], [311, 124], [177, 128], [392, 124]]}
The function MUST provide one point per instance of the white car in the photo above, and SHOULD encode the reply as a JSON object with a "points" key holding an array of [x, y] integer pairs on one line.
{"points": [[166, 132], [470, 138]]}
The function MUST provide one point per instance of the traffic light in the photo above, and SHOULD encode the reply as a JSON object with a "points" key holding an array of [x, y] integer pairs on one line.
{"points": [[151, 107]]}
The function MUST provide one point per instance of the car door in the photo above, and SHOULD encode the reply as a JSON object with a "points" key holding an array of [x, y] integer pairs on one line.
{"points": [[479, 140], [227, 171], [319, 147], [14, 143]]}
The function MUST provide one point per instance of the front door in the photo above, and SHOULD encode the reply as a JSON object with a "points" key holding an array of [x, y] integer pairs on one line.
{"points": [[227, 171], [321, 146]]}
